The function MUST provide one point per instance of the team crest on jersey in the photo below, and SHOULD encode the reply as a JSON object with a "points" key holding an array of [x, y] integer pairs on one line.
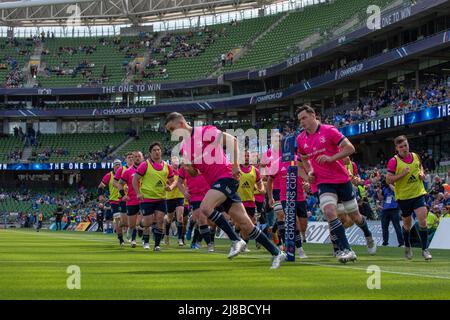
{"points": [[305, 146], [322, 139]]}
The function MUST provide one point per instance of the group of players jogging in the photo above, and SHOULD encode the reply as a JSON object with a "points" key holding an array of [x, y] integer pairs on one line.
{"points": [[147, 195]]}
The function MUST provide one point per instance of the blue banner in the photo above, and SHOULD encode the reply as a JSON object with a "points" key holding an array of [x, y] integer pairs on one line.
{"points": [[290, 210], [428, 114]]}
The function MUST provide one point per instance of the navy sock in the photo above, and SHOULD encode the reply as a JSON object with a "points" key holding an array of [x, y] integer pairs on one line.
{"points": [[365, 228], [204, 231], [195, 236], [223, 224], [338, 230], [334, 242], [406, 237], [190, 225], [423, 233], [212, 234], [146, 238], [158, 236], [180, 230], [298, 239], [120, 237], [133, 235], [281, 232], [261, 238]]}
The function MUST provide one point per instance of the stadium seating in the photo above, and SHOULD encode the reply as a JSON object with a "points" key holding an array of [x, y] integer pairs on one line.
{"points": [[100, 52], [79, 147], [12, 205], [206, 63], [145, 139], [8, 145], [104, 52], [297, 27], [20, 52]]}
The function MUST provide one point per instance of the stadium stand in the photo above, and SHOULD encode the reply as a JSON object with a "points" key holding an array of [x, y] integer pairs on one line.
{"points": [[297, 26], [186, 55], [10, 148], [87, 61], [14, 55], [76, 147], [143, 141]]}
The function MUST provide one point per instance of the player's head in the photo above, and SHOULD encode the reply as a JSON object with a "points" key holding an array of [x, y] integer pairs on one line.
{"points": [[116, 164], [401, 145], [307, 117], [246, 157], [138, 157], [129, 159], [175, 121], [155, 151]]}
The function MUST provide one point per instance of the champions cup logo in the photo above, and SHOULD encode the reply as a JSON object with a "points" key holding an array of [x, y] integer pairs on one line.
{"points": [[266, 98], [348, 71]]}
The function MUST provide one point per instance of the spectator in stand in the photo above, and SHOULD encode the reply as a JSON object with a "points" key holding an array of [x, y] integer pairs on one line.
{"points": [[58, 216]]}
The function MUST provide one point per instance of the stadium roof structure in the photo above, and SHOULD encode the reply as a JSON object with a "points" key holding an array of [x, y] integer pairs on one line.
{"points": [[33, 13]]}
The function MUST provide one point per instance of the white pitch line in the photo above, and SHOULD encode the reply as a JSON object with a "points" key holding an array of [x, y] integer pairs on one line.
{"points": [[365, 269]]}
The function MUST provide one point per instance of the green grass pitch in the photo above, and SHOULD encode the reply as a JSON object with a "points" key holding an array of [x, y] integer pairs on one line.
{"points": [[34, 266]]}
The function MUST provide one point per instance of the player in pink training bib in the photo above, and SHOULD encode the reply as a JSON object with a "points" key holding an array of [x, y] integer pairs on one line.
{"points": [[320, 148], [203, 151], [194, 190], [152, 180], [131, 197], [123, 221]]}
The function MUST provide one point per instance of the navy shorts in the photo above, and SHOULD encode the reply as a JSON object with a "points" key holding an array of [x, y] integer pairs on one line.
{"points": [[344, 191], [172, 204], [250, 211], [276, 195], [259, 206], [195, 205], [300, 208], [149, 208], [108, 215], [186, 211], [133, 210], [119, 208], [229, 187], [408, 206]]}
